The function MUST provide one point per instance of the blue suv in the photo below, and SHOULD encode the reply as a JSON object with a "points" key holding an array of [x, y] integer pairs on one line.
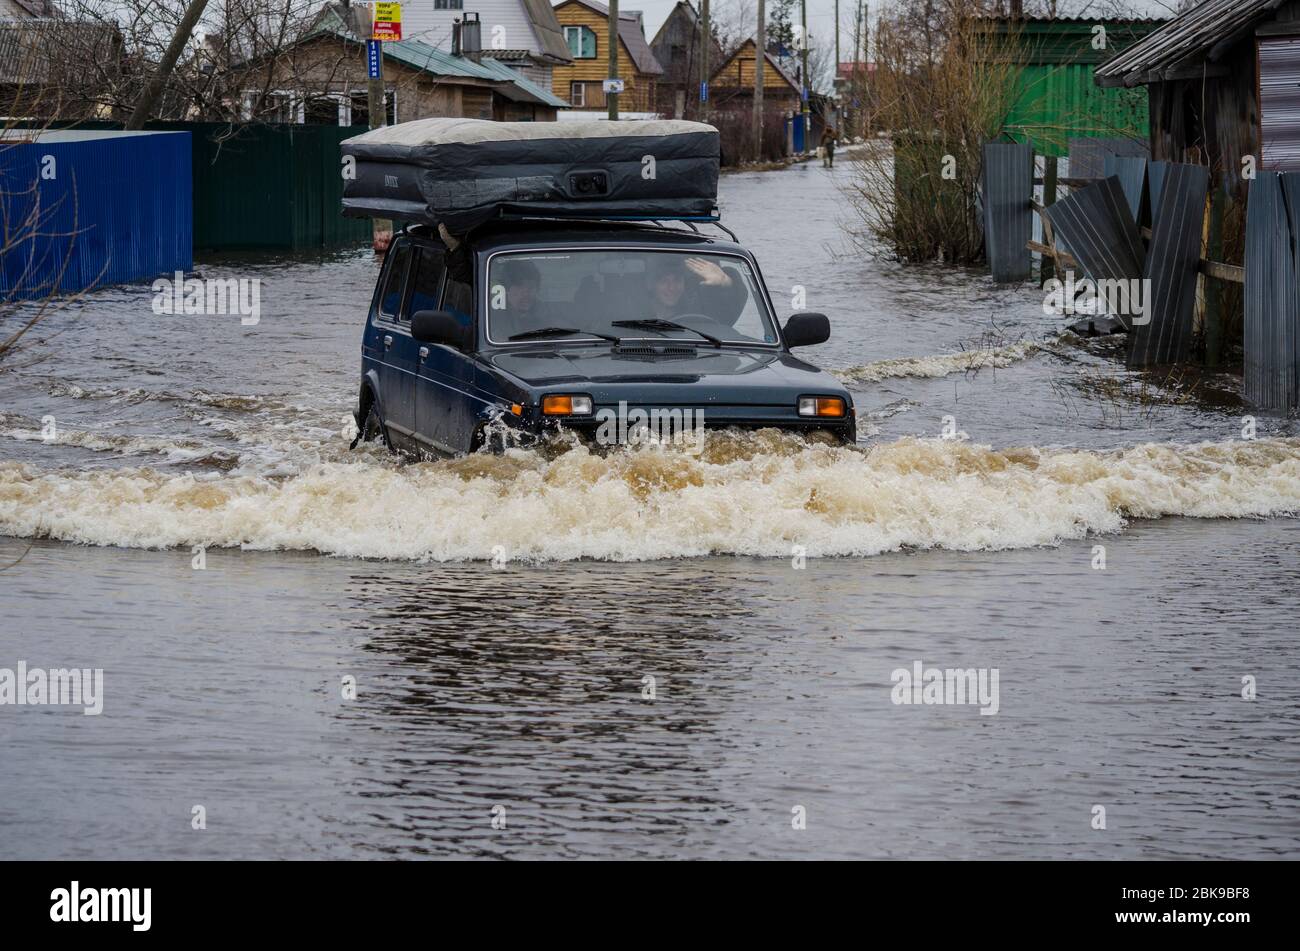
{"points": [[522, 327]]}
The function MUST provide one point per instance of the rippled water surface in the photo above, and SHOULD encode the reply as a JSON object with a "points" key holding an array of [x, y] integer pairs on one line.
{"points": [[520, 691]]}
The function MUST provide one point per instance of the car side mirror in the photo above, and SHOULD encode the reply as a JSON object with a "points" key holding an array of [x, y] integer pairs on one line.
{"points": [[441, 326], [806, 329]]}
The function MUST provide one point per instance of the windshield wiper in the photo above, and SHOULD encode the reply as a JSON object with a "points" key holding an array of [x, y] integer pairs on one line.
{"points": [[559, 332], [658, 323]]}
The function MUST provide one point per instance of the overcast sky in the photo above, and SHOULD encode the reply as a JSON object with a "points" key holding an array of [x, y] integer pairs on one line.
{"points": [[821, 14]]}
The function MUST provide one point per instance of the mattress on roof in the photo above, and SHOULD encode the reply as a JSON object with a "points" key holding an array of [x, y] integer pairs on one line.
{"points": [[461, 172]]}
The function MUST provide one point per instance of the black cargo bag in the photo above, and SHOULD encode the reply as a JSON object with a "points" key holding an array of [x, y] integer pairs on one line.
{"points": [[461, 172]]}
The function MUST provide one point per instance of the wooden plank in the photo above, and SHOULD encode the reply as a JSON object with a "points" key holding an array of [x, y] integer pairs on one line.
{"points": [[1062, 258], [1224, 272], [1047, 264]]}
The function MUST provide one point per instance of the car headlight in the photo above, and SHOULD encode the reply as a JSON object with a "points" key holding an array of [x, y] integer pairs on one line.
{"points": [[823, 406], [564, 404]]}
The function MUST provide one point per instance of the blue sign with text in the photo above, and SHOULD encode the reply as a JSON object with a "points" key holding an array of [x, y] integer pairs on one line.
{"points": [[372, 58], [704, 92]]}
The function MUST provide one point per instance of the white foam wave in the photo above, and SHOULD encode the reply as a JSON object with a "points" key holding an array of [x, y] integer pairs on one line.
{"points": [[758, 494]]}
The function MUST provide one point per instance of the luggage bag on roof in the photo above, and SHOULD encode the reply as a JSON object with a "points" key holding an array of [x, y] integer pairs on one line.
{"points": [[461, 172]]}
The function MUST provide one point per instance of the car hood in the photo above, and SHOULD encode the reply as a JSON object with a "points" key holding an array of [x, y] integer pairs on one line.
{"points": [[668, 376]]}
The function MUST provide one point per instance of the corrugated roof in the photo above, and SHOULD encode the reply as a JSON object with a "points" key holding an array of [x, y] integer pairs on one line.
{"points": [[525, 89], [29, 49], [547, 28], [633, 37], [429, 59], [40, 8], [1191, 40], [1089, 21], [420, 55]]}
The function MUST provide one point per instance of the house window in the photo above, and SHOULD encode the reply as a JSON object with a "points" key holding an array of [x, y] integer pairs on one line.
{"points": [[448, 4], [324, 110], [577, 94], [581, 40]]}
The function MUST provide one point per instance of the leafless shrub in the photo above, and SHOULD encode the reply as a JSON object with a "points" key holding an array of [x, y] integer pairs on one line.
{"points": [[736, 135], [941, 92]]}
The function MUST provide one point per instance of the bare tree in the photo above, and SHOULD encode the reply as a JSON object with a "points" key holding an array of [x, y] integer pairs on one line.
{"points": [[733, 21], [243, 61]]}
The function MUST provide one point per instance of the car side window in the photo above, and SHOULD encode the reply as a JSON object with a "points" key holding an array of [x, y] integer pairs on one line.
{"points": [[390, 301], [426, 281], [458, 298]]}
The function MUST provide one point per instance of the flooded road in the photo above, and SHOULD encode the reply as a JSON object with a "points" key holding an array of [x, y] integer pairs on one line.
{"points": [[577, 655]]}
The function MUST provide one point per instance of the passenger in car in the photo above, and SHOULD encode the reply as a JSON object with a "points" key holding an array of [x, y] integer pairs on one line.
{"points": [[693, 286]]}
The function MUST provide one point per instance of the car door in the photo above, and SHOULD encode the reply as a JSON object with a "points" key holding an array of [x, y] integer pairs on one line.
{"points": [[397, 349], [446, 410]]}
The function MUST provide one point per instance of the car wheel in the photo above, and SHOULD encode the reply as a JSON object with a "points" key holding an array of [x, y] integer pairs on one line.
{"points": [[374, 428]]}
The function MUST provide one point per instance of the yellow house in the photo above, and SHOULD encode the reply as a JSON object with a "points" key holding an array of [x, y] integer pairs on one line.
{"points": [[585, 25]]}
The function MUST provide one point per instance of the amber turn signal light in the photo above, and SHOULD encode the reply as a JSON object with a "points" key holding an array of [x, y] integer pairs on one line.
{"points": [[565, 405], [823, 406]]}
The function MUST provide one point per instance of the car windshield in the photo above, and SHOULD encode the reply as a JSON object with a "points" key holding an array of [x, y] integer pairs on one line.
{"points": [[626, 293]]}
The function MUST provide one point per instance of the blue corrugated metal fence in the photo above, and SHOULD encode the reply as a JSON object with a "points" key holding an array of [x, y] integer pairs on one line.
{"points": [[87, 209]]}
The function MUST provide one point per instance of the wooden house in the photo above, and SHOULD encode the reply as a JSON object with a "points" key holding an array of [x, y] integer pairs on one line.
{"points": [[678, 47], [732, 85], [585, 24]]}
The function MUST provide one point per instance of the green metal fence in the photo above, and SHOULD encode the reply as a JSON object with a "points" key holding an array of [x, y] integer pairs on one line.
{"points": [[1058, 99], [1059, 102], [262, 186], [274, 187]]}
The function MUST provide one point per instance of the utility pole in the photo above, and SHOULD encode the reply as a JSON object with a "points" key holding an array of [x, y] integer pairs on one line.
{"points": [[860, 46], [837, 37], [611, 98], [760, 54], [807, 89], [706, 45], [381, 232], [149, 98]]}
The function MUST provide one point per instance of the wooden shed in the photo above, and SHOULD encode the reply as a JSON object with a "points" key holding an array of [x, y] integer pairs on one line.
{"points": [[1222, 84]]}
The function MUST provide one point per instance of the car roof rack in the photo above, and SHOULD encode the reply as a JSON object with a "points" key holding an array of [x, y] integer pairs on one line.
{"points": [[661, 221]]}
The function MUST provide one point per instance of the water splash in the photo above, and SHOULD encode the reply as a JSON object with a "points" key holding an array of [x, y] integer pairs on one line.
{"points": [[933, 367], [746, 494]]}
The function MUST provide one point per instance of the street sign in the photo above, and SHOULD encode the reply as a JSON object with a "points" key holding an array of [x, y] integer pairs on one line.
{"points": [[612, 85], [372, 58], [704, 92], [386, 21]]}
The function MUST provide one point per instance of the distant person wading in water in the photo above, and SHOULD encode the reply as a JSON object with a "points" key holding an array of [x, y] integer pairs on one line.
{"points": [[828, 144]]}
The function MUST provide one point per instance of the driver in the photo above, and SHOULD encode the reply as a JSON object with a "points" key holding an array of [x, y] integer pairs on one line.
{"points": [[514, 301], [694, 286]]}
